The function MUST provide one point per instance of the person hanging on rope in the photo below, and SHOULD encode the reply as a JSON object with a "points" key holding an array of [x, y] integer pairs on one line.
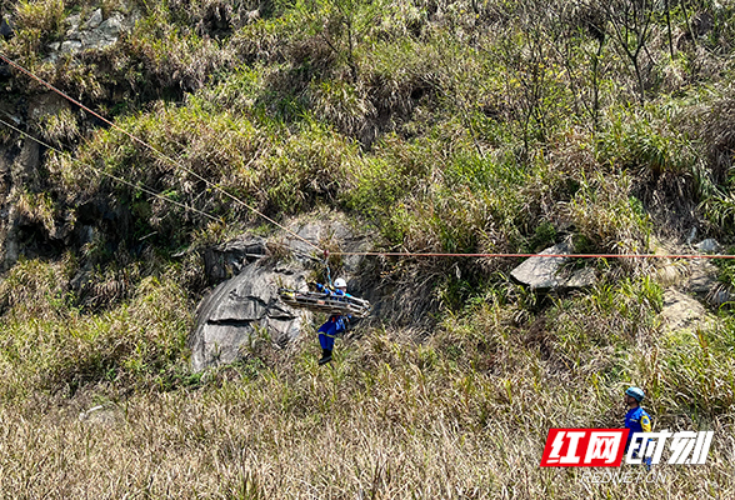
{"points": [[336, 324]]}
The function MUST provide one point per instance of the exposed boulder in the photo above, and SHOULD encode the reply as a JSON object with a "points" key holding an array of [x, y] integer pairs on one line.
{"points": [[95, 32], [703, 277], [223, 261], [238, 307], [106, 33], [6, 27], [73, 21], [106, 415], [709, 245], [94, 20], [550, 273], [682, 312], [26, 165], [704, 283], [228, 259], [669, 274], [336, 232], [70, 46]]}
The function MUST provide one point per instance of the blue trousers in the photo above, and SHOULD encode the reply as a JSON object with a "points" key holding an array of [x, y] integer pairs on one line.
{"points": [[329, 330]]}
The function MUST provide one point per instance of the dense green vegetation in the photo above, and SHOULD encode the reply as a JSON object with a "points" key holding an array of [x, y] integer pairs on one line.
{"points": [[464, 126]]}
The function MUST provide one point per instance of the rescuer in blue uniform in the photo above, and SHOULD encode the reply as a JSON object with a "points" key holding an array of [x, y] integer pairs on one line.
{"points": [[637, 420], [336, 323]]}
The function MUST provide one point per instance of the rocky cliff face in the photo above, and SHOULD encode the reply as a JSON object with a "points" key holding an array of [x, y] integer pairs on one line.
{"points": [[93, 32], [31, 224], [241, 308], [247, 304], [27, 225]]}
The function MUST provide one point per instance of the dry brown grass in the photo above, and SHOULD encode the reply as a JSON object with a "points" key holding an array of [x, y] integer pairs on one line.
{"points": [[397, 430]]}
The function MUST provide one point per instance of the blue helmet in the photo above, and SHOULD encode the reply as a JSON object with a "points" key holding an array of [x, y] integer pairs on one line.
{"points": [[635, 393]]}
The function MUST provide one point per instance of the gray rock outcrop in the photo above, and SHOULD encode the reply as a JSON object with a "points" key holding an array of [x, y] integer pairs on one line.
{"points": [[682, 312], [703, 282], [228, 259], [699, 278], [94, 32], [248, 303], [237, 308], [709, 245], [316, 231], [6, 27], [549, 274], [21, 172]]}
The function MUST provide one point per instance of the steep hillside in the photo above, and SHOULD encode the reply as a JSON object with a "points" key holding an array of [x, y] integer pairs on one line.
{"points": [[434, 127]]}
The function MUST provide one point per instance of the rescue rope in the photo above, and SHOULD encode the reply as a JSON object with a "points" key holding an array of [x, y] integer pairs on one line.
{"points": [[156, 151], [147, 190], [525, 255], [329, 271]]}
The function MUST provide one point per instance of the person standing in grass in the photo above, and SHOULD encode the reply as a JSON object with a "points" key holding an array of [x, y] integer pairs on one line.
{"points": [[336, 324], [637, 419]]}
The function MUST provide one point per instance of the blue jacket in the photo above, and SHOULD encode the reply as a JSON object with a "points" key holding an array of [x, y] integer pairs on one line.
{"points": [[329, 293], [337, 319], [637, 420]]}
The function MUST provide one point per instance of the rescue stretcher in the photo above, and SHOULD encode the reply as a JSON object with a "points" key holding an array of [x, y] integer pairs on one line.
{"points": [[320, 302]]}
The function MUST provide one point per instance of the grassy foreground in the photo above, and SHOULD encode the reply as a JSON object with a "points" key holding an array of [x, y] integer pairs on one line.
{"points": [[401, 432], [343, 441]]}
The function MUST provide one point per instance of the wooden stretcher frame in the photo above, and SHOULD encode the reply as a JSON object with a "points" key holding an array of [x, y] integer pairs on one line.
{"points": [[319, 302]]}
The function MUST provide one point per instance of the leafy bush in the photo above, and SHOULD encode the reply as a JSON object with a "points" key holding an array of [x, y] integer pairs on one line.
{"points": [[34, 289], [170, 58], [218, 149], [646, 142], [397, 74], [389, 175], [35, 208], [342, 105], [42, 15], [312, 164], [61, 128], [696, 372], [37, 23], [592, 334], [605, 213]]}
